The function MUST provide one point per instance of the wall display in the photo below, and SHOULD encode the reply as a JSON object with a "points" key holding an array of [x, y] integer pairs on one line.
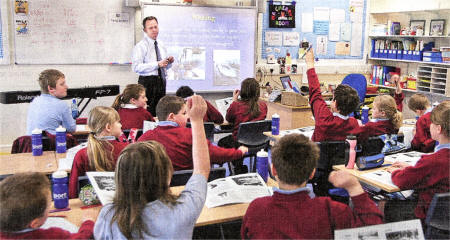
{"points": [[437, 27], [281, 16], [213, 47], [417, 27], [4, 48]]}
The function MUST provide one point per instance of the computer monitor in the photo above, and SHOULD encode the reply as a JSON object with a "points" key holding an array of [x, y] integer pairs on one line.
{"points": [[288, 84]]}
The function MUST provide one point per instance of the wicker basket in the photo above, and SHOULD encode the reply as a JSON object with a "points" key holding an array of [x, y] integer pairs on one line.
{"points": [[293, 99]]}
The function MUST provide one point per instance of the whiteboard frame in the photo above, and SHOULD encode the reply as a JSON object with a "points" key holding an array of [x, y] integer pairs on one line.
{"points": [[255, 46], [5, 33]]}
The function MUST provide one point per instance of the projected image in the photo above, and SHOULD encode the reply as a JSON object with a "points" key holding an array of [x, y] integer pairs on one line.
{"points": [[227, 66], [189, 63]]}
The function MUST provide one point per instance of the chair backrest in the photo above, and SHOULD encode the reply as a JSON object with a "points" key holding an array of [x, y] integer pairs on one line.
{"points": [[138, 134], [22, 144], [437, 220], [180, 178], [252, 133], [358, 82], [209, 130]]}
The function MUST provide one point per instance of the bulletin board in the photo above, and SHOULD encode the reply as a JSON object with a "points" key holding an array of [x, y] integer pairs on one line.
{"points": [[335, 28], [213, 47], [4, 47], [72, 31]]}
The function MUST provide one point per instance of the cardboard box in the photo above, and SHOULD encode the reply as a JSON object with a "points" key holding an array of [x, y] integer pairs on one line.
{"points": [[293, 99]]}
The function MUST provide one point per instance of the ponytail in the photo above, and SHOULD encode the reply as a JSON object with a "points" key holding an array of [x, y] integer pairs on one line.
{"points": [[397, 120], [100, 154], [118, 102], [250, 94], [387, 105]]}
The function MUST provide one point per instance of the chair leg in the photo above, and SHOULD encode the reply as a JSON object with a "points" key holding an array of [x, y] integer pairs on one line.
{"points": [[231, 168]]}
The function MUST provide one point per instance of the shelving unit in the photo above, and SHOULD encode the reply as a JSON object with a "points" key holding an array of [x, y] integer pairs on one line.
{"points": [[432, 77]]}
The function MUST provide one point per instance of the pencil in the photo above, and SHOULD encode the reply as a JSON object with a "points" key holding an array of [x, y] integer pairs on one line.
{"points": [[307, 50]]}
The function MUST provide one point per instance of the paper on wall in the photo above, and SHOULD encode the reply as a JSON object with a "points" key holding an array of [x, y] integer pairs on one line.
{"points": [[337, 15], [342, 48], [307, 22], [273, 38], [356, 42], [346, 31], [334, 31], [291, 38], [321, 45], [356, 10], [321, 14]]}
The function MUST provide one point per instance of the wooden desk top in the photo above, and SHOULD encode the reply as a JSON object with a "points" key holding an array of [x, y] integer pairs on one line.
{"points": [[208, 216], [355, 172], [81, 130], [26, 162], [285, 106]]}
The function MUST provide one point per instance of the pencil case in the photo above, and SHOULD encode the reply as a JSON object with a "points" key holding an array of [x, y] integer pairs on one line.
{"points": [[369, 162]]}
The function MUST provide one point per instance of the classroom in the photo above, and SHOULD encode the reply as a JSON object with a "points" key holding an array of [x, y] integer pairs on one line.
{"points": [[270, 73]]}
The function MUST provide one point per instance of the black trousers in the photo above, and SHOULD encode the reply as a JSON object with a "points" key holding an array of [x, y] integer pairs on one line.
{"points": [[155, 90]]}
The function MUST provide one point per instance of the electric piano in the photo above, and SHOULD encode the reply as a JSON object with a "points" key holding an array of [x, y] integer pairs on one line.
{"points": [[89, 93]]}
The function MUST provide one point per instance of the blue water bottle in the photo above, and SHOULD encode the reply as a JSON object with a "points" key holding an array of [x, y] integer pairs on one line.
{"points": [[60, 189], [74, 108], [262, 164], [60, 140], [365, 115], [275, 124], [36, 142]]}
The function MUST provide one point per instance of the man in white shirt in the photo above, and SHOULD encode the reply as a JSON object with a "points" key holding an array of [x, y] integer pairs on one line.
{"points": [[150, 61]]}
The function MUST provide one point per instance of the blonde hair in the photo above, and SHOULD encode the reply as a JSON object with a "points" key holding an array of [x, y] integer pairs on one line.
{"points": [[386, 104], [100, 151], [441, 116], [131, 91]]}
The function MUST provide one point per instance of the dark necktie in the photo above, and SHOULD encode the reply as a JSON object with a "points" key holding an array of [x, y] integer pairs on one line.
{"points": [[161, 71]]}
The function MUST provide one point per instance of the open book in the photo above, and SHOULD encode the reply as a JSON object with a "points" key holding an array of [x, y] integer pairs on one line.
{"points": [[410, 158], [242, 188], [223, 105], [104, 185]]}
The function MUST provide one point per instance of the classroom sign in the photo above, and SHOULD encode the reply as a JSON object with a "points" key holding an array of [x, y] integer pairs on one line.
{"points": [[281, 16]]}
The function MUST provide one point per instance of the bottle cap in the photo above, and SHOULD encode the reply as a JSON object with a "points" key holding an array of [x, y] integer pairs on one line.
{"points": [[275, 115], [60, 129], [59, 174], [366, 107], [351, 137], [36, 131], [262, 153]]}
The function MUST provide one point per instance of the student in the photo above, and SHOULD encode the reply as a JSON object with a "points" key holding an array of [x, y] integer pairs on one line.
{"points": [[212, 114], [177, 139], [385, 119], [47, 111], [291, 212], [332, 125], [430, 175], [25, 202], [143, 206], [132, 107], [103, 147], [398, 96], [422, 141]]}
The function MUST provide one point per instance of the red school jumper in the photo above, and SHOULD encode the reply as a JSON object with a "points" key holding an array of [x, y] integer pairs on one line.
{"points": [[134, 117], [85, 232], [422, 140]]}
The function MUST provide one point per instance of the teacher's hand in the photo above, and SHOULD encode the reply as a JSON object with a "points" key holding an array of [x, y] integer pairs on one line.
{"points": [[163, 63], [170, 59]]}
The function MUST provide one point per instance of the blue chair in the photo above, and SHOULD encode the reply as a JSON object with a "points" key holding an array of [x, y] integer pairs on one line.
{"points": [[359, 83], [438, 215]]}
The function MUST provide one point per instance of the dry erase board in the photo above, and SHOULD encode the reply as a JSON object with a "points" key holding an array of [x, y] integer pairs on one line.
{"points": [[335, 28], [213, 47], [4, 50], [73, 32]]}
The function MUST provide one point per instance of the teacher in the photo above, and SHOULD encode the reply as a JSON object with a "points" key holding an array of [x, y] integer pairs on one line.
{"points": [[150, 61]]}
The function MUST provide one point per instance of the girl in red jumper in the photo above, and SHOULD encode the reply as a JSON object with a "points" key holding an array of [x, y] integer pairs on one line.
{"points": [[103, 147], [385, 119], [132, 107]]}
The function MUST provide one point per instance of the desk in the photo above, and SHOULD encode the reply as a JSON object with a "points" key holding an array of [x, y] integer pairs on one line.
{"points": [[355, 172], [81, 130], [208, 216], [290, 117], [26, 162]]}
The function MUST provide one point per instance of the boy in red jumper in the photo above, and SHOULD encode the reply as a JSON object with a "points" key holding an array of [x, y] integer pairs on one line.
{"points": [[422, 140], [292, 213], [212, 114], [430, 175], [25, 202], [177, 139], [332, 125]]}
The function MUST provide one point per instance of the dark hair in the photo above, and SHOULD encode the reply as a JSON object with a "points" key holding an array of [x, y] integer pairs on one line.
{"points": [[250, 94], [48, 78], [441, 116], [418, 101], [142, 176], [131, 91], [168, 105], [23, 198], [184, 92], [149, 18], [294, 157], [347, 99]]}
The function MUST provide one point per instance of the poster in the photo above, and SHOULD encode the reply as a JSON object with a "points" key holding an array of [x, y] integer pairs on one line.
{"points": [[281, 16], [342, 48], [291, 38], [273, 38], [321, 45]]}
